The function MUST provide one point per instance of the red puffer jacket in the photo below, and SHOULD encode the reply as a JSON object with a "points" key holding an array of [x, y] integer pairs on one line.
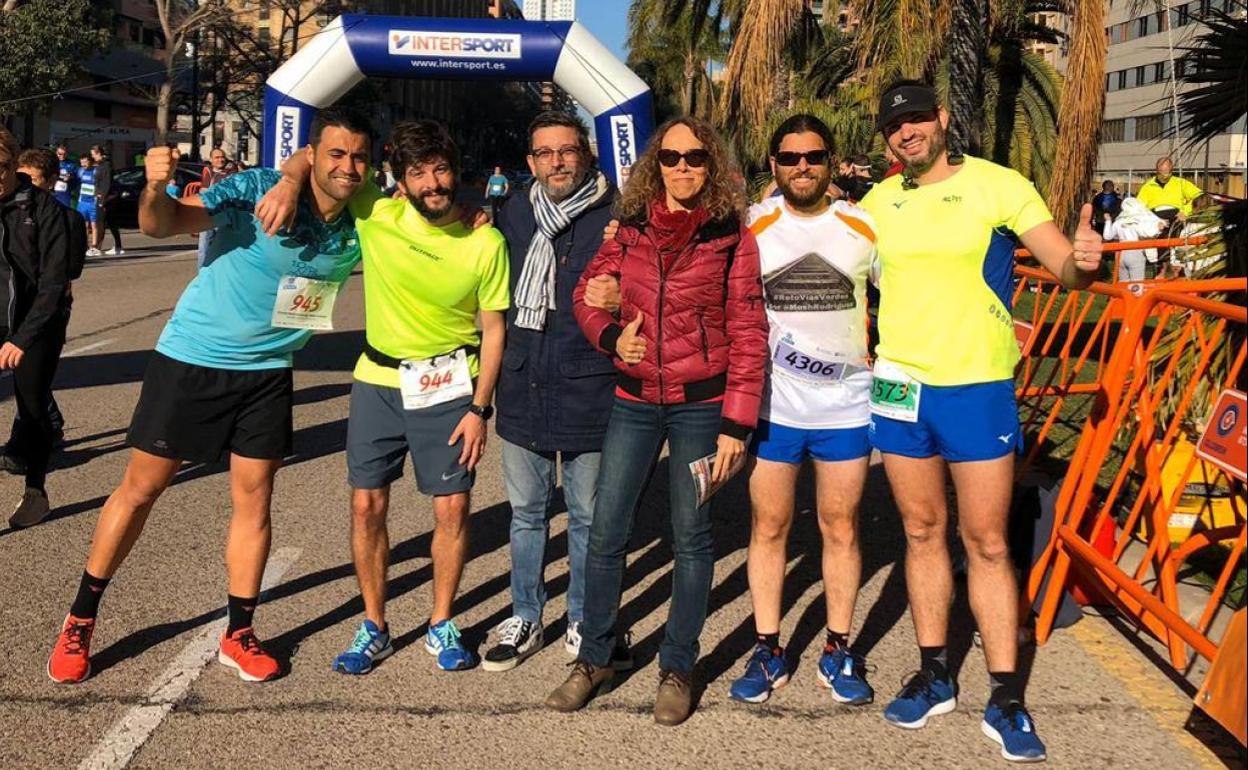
{"points": [[705, 325]]}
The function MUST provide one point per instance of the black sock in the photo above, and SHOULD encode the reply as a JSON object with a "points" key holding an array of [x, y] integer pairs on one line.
{"points": [[935, 661], [1007, 687], [241, 610], [87, 602], [772, 641], [836, 640]]}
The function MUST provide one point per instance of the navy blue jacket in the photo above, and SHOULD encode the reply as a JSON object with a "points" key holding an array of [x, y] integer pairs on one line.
{"points": [[556, 390]]}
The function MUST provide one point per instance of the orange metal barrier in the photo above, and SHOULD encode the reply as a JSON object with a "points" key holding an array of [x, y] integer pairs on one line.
{"points": [[1114, 511], [1065, 338]]}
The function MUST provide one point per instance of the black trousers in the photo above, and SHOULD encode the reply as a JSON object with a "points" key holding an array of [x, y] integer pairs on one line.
{"points": [[32, 390]]}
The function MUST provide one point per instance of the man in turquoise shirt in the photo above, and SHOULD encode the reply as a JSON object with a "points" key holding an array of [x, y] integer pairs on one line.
{"points": [[220, 376]]}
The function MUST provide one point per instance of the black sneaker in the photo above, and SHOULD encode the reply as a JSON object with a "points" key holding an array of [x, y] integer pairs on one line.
{"points": [[517, 639]]}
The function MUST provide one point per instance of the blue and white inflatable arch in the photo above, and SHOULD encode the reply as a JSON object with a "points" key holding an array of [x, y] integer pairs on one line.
{"points": [[353, 47]]}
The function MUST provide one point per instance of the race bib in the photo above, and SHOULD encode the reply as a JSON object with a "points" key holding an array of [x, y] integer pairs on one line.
{"points": [[60, 185], [435, 380], [304, 303], [894, 394], [87, 190], [807, 367]]}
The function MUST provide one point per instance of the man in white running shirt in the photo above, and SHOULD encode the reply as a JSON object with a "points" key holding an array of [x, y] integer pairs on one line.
{"points": [[817, 257]]}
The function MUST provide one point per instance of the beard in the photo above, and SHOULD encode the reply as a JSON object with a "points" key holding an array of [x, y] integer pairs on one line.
{"points": [[557, 191], [804, 199], [427, 211], [920, 166]]}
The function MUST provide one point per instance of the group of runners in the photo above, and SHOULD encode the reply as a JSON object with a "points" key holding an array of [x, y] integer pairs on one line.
{"points": [[734, 335]]}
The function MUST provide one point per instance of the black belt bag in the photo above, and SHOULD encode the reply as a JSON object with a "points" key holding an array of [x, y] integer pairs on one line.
{"points": [[381, 359]]}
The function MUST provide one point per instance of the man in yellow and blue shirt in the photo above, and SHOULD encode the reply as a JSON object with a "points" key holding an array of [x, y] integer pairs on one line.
{"points": [[943, 392], [1169, 197]]}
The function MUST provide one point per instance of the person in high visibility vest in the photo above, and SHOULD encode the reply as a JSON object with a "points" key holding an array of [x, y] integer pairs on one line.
{"points": [[1169, 197]]}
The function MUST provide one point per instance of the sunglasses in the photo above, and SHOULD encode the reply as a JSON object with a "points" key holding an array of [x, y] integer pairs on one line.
{"points": [[694, 158], [813, 158]]}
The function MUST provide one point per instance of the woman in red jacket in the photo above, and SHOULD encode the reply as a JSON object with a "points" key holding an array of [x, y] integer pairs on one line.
{"points": [[690, 343]]}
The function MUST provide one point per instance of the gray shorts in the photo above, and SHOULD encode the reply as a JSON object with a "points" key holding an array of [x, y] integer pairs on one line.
{"points": [[380, 432]]}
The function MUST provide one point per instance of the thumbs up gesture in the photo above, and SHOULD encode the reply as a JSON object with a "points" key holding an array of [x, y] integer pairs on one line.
{"points": [[159, 166], [1088, 243], [631, 346]]}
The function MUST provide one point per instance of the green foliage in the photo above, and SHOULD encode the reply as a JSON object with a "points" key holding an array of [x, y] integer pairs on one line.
{"points": [[42, 44]]}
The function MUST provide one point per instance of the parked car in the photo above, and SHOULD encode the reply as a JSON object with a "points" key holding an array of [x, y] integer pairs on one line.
{"points": [[128, 184]]}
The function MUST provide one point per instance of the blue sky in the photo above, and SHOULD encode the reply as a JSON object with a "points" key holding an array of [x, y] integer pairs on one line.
{"points": [[608, 20]]}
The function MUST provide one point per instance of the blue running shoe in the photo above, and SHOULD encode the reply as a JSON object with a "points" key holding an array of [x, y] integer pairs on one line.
{"points": [[1011, 726], [371, 645], [921, 697], [845, 674], [765, 672], [443, 641]]}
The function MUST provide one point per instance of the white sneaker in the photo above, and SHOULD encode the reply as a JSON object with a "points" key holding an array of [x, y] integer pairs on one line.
{"points": [[115, 252], [517, 639], [572, 639], [94, 252]]}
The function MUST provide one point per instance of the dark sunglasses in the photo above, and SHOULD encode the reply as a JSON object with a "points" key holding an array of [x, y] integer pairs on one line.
{"points": [[813, 158], [695, 158]]}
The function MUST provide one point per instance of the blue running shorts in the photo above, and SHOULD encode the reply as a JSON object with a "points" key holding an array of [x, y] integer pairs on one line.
{"points": [[961, 423], [783, 444]]}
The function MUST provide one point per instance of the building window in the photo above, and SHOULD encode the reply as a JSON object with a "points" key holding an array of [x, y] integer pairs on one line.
{"points": [[1141, 27], [102, 110], [1141, 74], [263, 35], [1160, 71], [1147, 127], [263, 13], [135, 32], [1113, 130], [1122, 79], [1110, 83]]}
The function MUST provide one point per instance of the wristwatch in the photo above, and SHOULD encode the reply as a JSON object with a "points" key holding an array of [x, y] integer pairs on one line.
{"points": [[484, 412]]}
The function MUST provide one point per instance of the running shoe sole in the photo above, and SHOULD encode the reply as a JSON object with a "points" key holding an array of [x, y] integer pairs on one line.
{"points": [[940, 708], [510, 663], [764, 695], [48, 667], [992, 733], [836, 696], [386, 652], [228, 661]]}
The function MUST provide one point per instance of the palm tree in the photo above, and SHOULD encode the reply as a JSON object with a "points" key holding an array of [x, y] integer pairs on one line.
{"points": [[774, 37], [669, 51], [1080, 112], [967, 49]]}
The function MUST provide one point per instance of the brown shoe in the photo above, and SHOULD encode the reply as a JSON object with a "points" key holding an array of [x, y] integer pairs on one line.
{"points": [[674, 702], [585, 681]]}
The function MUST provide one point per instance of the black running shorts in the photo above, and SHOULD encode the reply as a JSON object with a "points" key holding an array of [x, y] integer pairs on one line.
{"points": [[195, 413]]}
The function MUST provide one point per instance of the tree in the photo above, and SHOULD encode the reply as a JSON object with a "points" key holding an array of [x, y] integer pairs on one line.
{"points": [[775, 37], [180, 20], [1080, 112], [42, 45], [670, 53]]}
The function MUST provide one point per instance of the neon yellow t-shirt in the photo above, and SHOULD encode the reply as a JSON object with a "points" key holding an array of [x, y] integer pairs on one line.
{"points": [[946, 271], [1176, 193], [423, 285]]}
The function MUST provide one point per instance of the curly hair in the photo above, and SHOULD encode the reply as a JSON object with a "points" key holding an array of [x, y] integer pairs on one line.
{"points": [[724, 193]]}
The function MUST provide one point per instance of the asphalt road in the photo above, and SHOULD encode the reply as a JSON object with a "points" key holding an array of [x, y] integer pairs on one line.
{"points": [[158, 698]]}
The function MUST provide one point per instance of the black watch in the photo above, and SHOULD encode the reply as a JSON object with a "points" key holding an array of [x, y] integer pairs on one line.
{"points": [[484, 412]]}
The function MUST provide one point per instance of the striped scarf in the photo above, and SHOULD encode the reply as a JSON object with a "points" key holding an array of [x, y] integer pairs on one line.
{"points": [[535, 291]]}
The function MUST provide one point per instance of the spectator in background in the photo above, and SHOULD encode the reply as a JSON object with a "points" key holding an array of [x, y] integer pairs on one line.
{"points": [[1105, 202], [104, 195], [87, 200], [1130, 220], [66, 177], [218, 169], [34, 263], [496, 189], [894, 165]]}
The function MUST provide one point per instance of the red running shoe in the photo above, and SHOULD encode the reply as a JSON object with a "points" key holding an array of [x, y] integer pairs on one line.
{"points": [[71, 657], [242, 652]]}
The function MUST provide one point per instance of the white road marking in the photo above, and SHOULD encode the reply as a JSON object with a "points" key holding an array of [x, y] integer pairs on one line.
{"points": [[131, 731], [85, 348]]}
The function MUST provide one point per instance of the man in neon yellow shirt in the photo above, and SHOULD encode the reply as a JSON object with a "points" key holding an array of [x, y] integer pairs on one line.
{"points": [[1169, 197], [943, 388], [425, 381]]}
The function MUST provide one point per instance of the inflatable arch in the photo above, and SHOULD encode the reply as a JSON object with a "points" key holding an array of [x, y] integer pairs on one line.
{"points": [[353, 47]]}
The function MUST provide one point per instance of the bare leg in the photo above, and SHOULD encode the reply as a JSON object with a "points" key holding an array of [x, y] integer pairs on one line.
{"points": [[449, 551], [839, 488], [247, 544], [772, 492], [370, 548], [125, 512], [919, 489]]}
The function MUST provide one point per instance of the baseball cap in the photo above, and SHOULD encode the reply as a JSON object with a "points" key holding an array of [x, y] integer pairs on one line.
{"points": [[903, 98]]}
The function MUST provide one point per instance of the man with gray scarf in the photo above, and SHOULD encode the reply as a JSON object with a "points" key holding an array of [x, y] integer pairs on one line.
{"points": [[555, 390]]}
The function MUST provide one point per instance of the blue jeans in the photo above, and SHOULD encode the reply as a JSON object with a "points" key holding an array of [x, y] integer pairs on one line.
{"points": [[530, 478], [634, 436]]}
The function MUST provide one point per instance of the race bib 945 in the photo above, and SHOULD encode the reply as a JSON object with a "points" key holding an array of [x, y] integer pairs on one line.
{"points": [[304, 303]]}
